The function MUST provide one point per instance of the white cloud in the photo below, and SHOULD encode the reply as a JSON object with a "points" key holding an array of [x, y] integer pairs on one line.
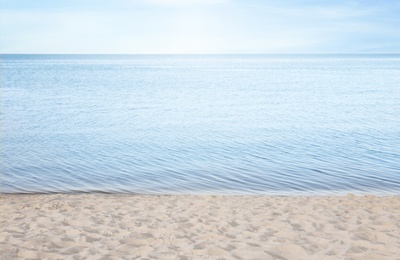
{"points": [[183, 2], [316, 12]]}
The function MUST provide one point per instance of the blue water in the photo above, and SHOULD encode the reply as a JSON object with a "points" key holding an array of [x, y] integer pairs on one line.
{"points": [[194, 124]]}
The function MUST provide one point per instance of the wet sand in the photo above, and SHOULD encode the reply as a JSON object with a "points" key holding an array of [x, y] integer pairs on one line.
{"points": [[104, 226]]}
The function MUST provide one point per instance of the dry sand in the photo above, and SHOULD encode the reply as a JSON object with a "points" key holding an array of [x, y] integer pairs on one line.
{"points": [[98, 226]]}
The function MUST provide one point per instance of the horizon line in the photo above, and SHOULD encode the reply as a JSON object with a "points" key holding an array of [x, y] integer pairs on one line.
{"points": [[287, 53]]}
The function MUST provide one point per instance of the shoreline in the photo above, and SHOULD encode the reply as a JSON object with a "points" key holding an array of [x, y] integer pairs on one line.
{"points": [[115, 226], [339, 193]]}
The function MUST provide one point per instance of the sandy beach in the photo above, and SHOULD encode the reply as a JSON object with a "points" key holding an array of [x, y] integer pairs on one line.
{"points": [[104, 226]]}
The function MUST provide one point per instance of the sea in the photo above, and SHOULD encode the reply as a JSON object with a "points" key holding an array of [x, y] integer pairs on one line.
{"points": [[201, 124]]}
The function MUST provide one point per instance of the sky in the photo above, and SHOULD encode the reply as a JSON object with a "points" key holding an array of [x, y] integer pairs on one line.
{"points": [[199, 26]]}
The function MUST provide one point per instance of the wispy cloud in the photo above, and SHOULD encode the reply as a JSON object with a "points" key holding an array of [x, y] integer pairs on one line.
{"points": [[183, 2], [332, 11]]}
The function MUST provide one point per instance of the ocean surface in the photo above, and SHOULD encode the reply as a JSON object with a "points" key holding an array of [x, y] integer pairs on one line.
{"points": [[200, 124]]}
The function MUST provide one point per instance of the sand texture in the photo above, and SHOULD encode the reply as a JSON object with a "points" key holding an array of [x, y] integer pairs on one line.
{"points": [[100, 226]]}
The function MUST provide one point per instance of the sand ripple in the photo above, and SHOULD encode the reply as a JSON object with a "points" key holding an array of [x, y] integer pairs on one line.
{"points": [[93, 226]]}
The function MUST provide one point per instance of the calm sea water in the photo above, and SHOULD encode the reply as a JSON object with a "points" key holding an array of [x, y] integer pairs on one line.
{"points": [[223, 124]]}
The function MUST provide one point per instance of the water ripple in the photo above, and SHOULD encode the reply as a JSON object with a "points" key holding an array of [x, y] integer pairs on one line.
{"points": [[241, 124]]}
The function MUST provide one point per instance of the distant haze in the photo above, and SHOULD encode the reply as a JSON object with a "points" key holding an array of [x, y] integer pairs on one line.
{"points": [[199, 26]]}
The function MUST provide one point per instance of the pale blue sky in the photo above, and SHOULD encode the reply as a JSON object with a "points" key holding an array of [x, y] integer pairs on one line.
{"points": [[199, 26]]}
